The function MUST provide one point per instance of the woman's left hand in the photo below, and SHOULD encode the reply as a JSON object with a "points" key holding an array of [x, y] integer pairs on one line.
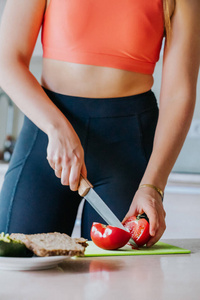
{"points": [[147, 200]]}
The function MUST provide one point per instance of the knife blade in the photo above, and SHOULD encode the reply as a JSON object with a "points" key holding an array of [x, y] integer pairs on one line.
{"points": [[86, 191]]}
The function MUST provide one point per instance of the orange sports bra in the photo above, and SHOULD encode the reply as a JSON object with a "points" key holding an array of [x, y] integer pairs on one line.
{"points": [[122, 34]]}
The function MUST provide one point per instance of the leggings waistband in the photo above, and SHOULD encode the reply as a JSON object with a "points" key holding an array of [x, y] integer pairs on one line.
{"points": [[104, 107]]}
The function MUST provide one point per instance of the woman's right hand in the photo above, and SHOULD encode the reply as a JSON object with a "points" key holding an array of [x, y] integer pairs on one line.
{"points": [[65, 155]]}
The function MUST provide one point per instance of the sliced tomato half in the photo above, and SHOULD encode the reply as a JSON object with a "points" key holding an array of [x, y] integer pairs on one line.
{"points": [[109, 237], [139, 229]]}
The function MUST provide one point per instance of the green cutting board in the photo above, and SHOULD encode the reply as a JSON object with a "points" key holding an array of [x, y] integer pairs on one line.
{"points": [[158, 248]]}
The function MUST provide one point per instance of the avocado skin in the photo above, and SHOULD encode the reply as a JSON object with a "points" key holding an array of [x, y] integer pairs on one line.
{"points": [[14, 249]]}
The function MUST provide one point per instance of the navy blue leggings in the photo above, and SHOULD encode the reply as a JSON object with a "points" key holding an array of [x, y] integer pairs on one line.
{"points": [[117, 136]]}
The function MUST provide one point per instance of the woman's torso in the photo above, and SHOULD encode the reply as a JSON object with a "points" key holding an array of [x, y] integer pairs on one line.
{"points": [[93, 81]]}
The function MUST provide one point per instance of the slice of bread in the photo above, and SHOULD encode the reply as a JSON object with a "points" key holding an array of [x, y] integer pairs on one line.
{"points": [[51, 244]]}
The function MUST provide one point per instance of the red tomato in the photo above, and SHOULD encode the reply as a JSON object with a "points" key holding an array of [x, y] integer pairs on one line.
{"points": [[139, 229], [109, 237]]}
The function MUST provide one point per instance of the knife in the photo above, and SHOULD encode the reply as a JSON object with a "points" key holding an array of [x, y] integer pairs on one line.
{"points": [[86, 191]]}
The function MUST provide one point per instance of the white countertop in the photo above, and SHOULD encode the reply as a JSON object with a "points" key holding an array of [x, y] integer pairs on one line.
{"points": [[155, 277]]}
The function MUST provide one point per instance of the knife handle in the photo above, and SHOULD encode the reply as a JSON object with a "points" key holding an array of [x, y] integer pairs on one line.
{"points": [[84, 186]]}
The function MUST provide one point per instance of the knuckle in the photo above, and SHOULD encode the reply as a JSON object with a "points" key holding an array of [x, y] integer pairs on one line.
{"points": [[76, 160], [58, 173], [73, 188], [50, 160], [74, 179], [57, 160], [51, 165], [66, 160], [64, 177], [74, 182], [78, 152], [64, 181]]}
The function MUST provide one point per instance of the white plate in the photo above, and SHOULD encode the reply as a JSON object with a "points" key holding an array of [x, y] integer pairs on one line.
{"points": [[30, 263]]}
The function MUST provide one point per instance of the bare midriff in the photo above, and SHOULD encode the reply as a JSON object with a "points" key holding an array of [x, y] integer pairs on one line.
{"points": [[92, 81]]}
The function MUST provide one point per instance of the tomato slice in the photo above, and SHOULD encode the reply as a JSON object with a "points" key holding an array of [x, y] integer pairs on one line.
{"points": [[139, 229], [109, 237]]}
